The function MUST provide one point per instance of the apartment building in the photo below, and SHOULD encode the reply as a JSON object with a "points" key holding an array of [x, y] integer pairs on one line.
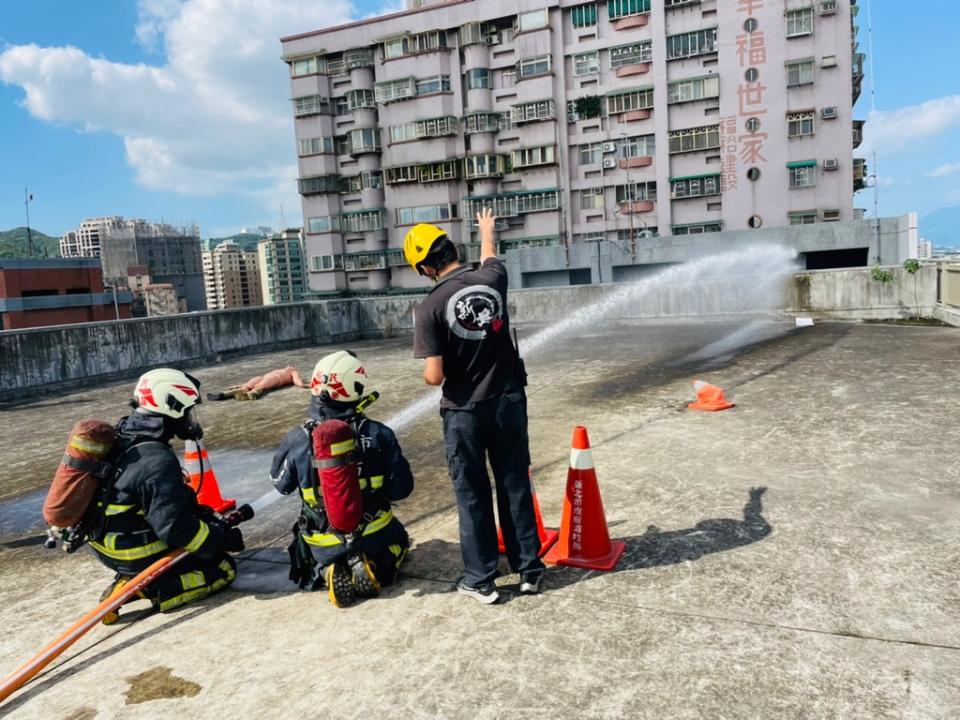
{"points": [[170, 253], [231, 277], [282, 276], [624, 121]]}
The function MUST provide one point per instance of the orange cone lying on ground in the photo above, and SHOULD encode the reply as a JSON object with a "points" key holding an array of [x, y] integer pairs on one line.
{"points": [[584, 539], [709, 397], [206, 487], [548, 536]]}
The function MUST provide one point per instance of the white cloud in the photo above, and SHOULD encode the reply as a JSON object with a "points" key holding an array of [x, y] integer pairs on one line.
{"points": [[944, 170], [213, 118], [892, 130]]}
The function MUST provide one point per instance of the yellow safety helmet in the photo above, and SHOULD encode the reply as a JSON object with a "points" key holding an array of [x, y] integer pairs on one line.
{"points": [[419, 242]]}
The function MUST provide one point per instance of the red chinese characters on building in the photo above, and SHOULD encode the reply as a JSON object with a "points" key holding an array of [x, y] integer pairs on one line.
{"points": [[751, 52]]}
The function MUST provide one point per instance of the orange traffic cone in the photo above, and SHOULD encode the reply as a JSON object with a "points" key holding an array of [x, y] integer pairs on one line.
{"points": [[206, 487], [709, 397], [584, 539], [548, 536]]}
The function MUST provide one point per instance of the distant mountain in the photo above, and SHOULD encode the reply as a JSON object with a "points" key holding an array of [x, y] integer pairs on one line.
{"points": [[942, 227], [13, 243], [246, 241]]}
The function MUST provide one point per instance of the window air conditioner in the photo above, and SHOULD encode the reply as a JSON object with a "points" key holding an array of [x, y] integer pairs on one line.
{"points": [[831, 164], [609, 163], [609, 147], [645, 234], [828, 113], [828, 7]]}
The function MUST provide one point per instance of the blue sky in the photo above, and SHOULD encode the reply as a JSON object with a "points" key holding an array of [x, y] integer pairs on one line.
{"points": [[177, 109]]}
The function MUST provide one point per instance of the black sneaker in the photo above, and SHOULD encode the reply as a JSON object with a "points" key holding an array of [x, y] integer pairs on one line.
{"points": [[340, 587], [364, 579], [487, 593], [531, 583]]}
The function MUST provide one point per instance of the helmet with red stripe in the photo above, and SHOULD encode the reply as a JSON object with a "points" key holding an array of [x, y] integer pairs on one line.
{"points": [[339, 377], [166, 391]]}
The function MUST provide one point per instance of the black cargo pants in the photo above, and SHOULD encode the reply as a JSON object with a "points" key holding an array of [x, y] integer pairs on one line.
{"points": [[494, 429]]}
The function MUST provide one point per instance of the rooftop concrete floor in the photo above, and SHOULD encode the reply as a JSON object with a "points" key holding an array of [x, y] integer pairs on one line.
{"points": [[833, 593]]}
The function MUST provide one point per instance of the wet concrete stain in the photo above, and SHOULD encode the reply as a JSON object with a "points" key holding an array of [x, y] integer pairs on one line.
{"points": [[157, 684], [84, 713]]}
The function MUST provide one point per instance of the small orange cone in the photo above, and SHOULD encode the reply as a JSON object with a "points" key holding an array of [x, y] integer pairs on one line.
{"points": [[709, 397], [548, 536], [207, 489], [584, 538]]}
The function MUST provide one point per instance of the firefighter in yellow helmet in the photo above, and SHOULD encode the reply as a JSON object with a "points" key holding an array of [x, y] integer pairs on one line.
{"points": [[463, 334]]}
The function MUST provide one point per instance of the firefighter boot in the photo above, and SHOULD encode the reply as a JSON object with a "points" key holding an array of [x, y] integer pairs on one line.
{"points": [[118, 582], [340, 587], [364, 578]]}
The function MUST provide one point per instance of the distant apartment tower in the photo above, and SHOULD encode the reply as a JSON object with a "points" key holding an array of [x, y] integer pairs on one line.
{"points": [[282, 269], [622, 121], [231, 277], [171, 254]]}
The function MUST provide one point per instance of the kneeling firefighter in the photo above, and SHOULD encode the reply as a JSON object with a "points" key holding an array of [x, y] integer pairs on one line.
{"points": [[348, 470], [147, 507]]}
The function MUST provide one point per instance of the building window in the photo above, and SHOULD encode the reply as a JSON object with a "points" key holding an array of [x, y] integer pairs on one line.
{"points": [[322, 263], [693, 89], [642, 146], [799, 22], [831, 215], [591, 199], [425, 214], [531, 67], [481, 122], [532, 156], [340, 105], [324, 224], [532, 20], [696, 228], [513, 204], [471, 34], [477, 79], [695, 186], [414, 44], [395, 90], [400, 174], [314, 146], [630, 100], [320, 185], [438, 171], [365, 180], [803, 174], [358, 58], [631, 54], [800, 123], [527, 112], [591, 154], [623, 236], [357, 99], [806, 217], [699, 42], [693, 139], [362, 221], [622, 8], [799, 72], [431, 127], [311, 105], [636, 191], [307, 66], [487, 165], [583, 15], [364, 140], [436, 84], [587, 63]]}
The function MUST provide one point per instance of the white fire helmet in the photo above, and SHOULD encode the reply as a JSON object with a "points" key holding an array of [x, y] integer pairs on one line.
{"points": [[341, 377], [166, 391]]}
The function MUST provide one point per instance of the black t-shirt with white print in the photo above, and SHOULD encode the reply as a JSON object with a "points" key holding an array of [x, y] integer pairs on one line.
{"points": [[464, 320]]}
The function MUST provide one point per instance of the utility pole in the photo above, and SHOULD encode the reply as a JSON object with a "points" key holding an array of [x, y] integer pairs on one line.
{"points": [[27, 199], [631, 191]]}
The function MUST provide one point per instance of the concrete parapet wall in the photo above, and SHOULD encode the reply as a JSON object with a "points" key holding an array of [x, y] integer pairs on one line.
{"points": [[853, 294], [39, 360]]}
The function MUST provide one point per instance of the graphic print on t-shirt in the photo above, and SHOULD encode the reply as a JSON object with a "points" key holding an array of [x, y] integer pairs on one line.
{"points": [[472, 310]]}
